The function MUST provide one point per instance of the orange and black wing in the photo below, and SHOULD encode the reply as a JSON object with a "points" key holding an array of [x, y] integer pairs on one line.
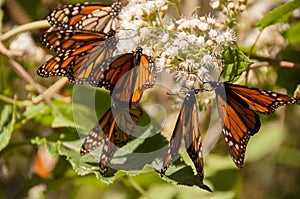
{"points": [[188, 128], [259, 100], [127, 76], [86, 16], [237, 105], [116, 67], [119, 134], [63, 40], [238, 120], [136, 75], [79, 55], [97, 135], [110, 134]]}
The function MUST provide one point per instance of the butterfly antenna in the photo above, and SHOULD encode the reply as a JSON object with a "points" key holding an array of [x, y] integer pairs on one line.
{"points": [[220, 76]]}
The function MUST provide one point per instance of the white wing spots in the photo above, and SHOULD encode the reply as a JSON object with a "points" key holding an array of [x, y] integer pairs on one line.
{"points": [[57, 59], [226, 133], [67, 9], [230, 143], [237, 146], [116, 9], [104, 157], [105, 148], [92, 141]]}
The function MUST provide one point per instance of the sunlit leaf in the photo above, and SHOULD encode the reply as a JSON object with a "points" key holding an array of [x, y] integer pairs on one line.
{"points": [[235, 63], [279, 14], [292, 34], [63, 120], [297, 92], [130, 156], [33, 111], [63, 117]]}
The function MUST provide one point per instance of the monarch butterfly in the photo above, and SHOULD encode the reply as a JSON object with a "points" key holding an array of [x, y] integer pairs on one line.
{"points": [[79, 53], [187, 128], [237, 107], [108, 133], [86, 16], [128, 75]]}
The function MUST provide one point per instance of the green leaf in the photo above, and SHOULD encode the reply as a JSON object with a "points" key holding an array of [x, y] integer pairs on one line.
{"points": [[7, 121], [87, 103], [130, 155], [235, 63], [136, 156], [63, 120], [293, 35], [182, 174], [64, 116], [40, 113], [280, 14], [34, 110]]}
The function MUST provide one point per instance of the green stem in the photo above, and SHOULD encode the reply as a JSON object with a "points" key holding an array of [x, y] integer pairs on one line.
{"points": [[9, 100], [51, 91], [250, 52], [178, 8], [26, 27], [136, 186], [160, 20], [176, 5]]}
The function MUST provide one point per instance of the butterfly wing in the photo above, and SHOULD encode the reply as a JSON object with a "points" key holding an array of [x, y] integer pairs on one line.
{"points": [[78, 63], [118, 136], [236, 106], [262, 101], [115, 68], [86, 16], [192, 136], [174, 144], [109, 147], [138, 75], [97, 135], [238, 120], [108, 133], [62, 40], [187, 127]]}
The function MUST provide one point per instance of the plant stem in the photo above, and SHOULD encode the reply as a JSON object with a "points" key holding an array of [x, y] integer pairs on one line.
{"points": [[136, 186], [26, 27], [9, 100]]}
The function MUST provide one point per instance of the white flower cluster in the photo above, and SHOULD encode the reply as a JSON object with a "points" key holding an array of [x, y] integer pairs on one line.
{"points": [[191, 74], [137, 8], [190, 45], [194, 42], [134, 19], [229, 8]]}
